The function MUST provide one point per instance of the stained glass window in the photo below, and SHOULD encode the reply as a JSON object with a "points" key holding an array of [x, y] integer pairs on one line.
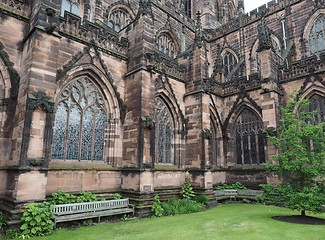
{"points": [[70, 6], [119, 19], [249, 139], [188, 8], [276, 47], [79, 123], [229, 62], [164, 133], [165, 44], [317, 103], [316, 36]]}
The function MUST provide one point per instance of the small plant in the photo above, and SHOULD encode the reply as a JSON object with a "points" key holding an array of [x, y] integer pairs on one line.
{"points": [[156, 207], [37, 220], [247, 201], [236, 185], [124, 218], [203, 199], [2, 223], [12, 233], [86, 197], [117, 196], [62, 197], [87, 222], [187, 190]]}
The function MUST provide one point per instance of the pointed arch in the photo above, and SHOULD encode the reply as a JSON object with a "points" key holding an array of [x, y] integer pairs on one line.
{"points": [[87, 124], [216, 142], [169, 137], [230, 59], [166, 43], [313, 33], [119, 16], [248, 137]]}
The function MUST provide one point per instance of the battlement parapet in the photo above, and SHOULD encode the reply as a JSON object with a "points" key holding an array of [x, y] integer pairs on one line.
{"points": [[254, 15], [19, 7], [70, 26], [302, 68]]}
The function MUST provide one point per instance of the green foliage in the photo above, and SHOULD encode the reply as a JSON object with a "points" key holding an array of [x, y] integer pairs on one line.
{"points": [[236, 185], [117, 196], [300, 163], [87, 222], [12, 233], [61, 197], [2, 223], [187, 190], [37, 220], [202, 199], [156, 207], [246, 201], [181, 206], [86, 197]]}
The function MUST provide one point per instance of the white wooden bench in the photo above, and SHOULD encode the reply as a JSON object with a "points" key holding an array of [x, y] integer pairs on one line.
{"points": [[236, 193], [79, 211]]}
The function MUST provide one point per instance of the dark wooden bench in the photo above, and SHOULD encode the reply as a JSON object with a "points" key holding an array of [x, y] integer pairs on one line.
{"points": [[79, 211]]}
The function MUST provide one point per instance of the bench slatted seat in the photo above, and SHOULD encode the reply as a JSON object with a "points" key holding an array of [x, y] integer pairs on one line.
{"points": [[98, 209], [236, 193]]}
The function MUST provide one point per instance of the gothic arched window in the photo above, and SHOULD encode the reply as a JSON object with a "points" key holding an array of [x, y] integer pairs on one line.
{"points": [[317, 103], [118, 19], [72, 6], [229, 63], [316, 36], [164, 133], [166, 45], [249, 139], [79, 122]]}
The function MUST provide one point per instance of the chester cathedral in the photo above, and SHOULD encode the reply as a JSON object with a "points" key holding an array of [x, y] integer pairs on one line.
{"points": [[126, 96]]}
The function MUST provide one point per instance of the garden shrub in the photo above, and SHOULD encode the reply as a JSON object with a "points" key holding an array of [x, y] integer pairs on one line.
{"points": [[2, 223], [236, 185], [202, 199], [37, 220], [62, 197], [86, 197], [156, 207], [187, 190], [181, 206], [117, 196]]}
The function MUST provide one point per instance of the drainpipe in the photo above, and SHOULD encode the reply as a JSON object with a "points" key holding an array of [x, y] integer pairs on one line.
{"points": [[283, 20]]}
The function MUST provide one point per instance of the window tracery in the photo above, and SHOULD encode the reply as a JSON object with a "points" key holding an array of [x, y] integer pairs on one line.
{"points": [[165, 44], [249, 139], [119, 19], [229, 63], [164, 133], [72, 6], [79, 123], [316, 36], [317, 103]]}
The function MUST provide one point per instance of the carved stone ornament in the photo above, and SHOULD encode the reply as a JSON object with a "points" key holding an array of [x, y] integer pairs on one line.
{"points": [[36, 100], [148, 122], [264, 37], [207, 134]]}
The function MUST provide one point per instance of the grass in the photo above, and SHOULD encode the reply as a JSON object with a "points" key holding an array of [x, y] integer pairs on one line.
{"points": [[234, 221]]}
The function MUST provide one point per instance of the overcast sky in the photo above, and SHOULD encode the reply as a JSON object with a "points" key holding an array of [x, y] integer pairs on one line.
{"points": [[252, 4]]}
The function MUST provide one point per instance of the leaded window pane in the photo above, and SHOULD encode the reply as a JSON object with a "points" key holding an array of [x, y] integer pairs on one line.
{"points": [[249, 140], [87, 135], [119, 19], [164, 44], [59, 132], [75, 9], [99, 136], [160, 143], [73, 133], [80, 114], [164, 133], [229, 63], [316, 36], [65, 7]]}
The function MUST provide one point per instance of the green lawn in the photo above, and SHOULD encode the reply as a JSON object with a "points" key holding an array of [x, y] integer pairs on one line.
{"points": [[234, 221]]}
